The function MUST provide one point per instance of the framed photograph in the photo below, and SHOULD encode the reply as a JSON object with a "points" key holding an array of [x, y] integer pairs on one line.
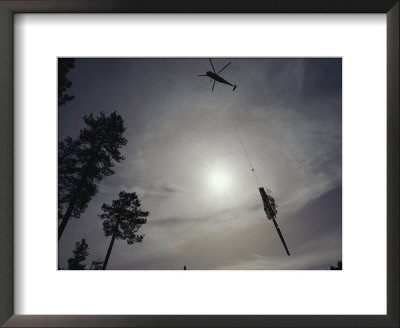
{"points": [[219, 164], [198, 163]]}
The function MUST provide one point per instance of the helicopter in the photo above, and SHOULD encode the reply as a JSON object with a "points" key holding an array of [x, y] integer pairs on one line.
{"points": [[214, 76]]}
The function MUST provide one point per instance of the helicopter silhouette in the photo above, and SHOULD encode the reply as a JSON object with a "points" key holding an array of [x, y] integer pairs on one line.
{"points": [[215, 77]]}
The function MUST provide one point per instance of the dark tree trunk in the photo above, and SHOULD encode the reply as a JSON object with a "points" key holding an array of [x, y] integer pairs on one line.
{"points": [[68, 213], [111, 245], [72, 203]]}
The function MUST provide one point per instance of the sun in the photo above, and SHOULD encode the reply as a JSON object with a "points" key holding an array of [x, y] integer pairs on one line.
{"points": [[219, 180]]}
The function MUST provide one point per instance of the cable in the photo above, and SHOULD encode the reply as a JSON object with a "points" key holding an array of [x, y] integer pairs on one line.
{"points": [[245, 152], [261, 189]]}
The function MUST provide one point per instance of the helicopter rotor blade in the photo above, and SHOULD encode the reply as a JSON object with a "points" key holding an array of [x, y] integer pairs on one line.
{"points": [[213, 86], [224, 67], [201, 75], [212, 65]]}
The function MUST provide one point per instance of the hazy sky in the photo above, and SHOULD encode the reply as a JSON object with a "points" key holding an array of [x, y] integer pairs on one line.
{"points": [[185, 161]]}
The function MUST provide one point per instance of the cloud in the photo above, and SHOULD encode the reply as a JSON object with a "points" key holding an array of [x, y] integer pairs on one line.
{"points": [[315, 259]]}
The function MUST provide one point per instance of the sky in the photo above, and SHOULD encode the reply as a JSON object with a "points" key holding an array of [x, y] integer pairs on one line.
{"points": [[187, 165]]}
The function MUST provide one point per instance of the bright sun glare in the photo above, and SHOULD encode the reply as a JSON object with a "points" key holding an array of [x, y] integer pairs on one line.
{"points": [[219, 180]]}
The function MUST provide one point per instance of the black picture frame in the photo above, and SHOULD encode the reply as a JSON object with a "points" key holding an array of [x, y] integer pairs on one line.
{"points": [[10, 7]]}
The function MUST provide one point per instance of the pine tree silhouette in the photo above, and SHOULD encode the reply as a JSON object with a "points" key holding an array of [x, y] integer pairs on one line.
{"points": [[64, 66], [83, 162], [122, 220], [80, 253]]}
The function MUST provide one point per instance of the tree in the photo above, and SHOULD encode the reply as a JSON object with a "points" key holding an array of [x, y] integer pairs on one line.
{"points": [[96, 265], [80, 253], [83, 162], [338, 267], [122, 220], [64, 66]]}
